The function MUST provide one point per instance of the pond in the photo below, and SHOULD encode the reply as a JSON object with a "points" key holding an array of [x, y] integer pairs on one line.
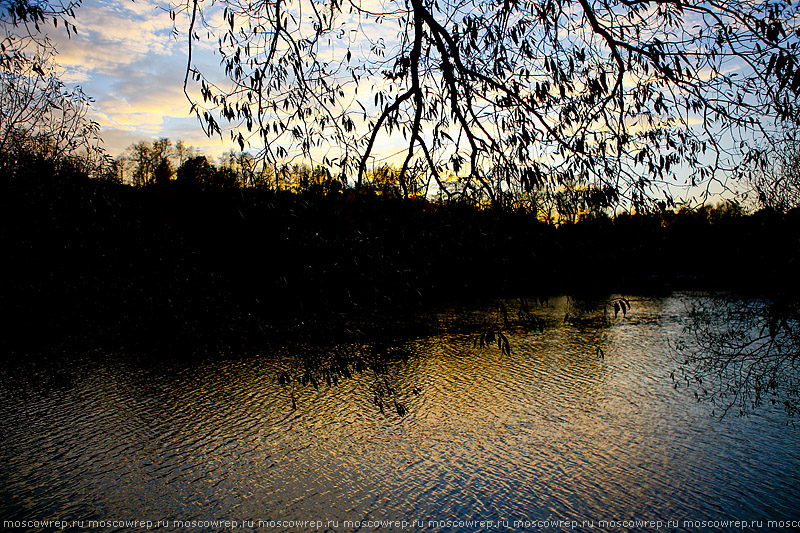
{"points": [[551, 432]]}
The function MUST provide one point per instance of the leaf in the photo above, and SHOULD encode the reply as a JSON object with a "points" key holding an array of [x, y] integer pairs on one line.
{"points": [[505, 348], [771, 64], [796, 81], [774, 31]]}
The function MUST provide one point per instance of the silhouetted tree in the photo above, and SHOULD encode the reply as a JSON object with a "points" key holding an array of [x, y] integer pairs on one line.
{"points": [[39, 114], [183, 152], [163, 173], [198, 172], [246, 169], [385, 179], [224, 178], [624, 94], [113, 172], [195, 171], [776, 180], [141, 160]]}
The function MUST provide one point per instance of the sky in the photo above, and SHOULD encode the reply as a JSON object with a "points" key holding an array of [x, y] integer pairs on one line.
{"points": [[126, 58]]}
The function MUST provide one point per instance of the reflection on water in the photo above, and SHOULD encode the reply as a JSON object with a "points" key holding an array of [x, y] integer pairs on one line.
{"points": [[550, 432]]}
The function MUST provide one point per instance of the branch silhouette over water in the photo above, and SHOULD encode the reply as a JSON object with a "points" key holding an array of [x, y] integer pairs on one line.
{"points": [[739, 354]]}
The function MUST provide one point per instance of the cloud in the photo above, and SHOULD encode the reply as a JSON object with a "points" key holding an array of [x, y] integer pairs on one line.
{"points": [[139, 95], [125, 57], [115, 140], [112, 34]]}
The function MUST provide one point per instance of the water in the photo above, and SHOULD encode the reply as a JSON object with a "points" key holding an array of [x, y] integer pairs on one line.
{"points": [[551, 432]]}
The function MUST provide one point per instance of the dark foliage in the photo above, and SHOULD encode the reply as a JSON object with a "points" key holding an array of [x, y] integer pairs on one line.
{"points": [[175, 264]]}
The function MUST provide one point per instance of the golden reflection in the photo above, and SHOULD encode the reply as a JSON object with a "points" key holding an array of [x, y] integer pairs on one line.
{"points": [[550, 430]]}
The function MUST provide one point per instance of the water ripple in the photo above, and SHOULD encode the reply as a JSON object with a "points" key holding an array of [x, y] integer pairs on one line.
{"points": [[550, 431]]}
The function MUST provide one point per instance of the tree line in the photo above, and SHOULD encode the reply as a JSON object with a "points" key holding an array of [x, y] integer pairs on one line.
{"points": [[93, 258], [162, 161]]}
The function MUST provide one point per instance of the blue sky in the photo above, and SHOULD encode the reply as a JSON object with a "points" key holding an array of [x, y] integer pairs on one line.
{"points": [[126, 58]]}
